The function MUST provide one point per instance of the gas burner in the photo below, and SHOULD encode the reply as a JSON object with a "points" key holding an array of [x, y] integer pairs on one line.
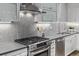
{"points": [[30, 40]]}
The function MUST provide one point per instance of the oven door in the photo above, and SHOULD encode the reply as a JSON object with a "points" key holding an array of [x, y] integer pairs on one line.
{"points": [[45, 51]]}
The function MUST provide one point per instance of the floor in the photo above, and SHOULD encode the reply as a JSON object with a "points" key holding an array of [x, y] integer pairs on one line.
{"points": [[75, 53]]}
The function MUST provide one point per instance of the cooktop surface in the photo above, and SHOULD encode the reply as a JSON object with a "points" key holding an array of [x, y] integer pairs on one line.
{"points": [[30, 40]]}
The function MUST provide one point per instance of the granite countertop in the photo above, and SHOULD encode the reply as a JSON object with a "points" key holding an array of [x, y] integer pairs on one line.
{"points": [[56, 36], [10, 46]]}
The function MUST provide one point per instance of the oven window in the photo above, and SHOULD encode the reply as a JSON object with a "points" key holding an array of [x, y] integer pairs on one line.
{"points": [[44, 53]]}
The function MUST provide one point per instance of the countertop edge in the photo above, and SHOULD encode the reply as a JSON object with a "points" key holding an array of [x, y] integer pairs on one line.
{"points": [[64, 36], [12, 51]]}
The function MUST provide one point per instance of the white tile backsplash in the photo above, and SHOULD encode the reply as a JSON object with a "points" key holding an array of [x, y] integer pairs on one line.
{"points": [[8, 32], [25, 27]]}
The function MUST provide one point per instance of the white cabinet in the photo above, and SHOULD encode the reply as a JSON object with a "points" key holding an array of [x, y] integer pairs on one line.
{"points": [[73, 12], [51, 11], [67, 45], [22, 52], [77, 43], [53, 48], [61, 12], [55, 12], [73, 45], [8, 12], [70, 43]]}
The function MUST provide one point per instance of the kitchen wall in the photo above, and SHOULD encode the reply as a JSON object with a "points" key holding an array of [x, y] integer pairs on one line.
{"points": [[8, 32], [73, 16], [25, 27], [60, 25], [28, 24], [73, 13], [61, 16]]}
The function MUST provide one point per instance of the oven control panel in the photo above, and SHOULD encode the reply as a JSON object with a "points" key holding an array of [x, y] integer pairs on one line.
{"points": [[40, 45], [32, 47]]}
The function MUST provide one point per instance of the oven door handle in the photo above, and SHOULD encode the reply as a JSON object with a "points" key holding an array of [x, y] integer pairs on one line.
{"points": [[39, 51]]}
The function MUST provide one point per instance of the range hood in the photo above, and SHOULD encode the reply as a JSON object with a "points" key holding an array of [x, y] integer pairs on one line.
{"points": [[30, 7]]}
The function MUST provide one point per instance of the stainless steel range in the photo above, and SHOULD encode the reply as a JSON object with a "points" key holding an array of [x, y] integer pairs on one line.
{"points": [[36, 46]]}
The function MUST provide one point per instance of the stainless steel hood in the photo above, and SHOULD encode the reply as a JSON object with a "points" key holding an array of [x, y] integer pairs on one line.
{"points": [[29, 7]]}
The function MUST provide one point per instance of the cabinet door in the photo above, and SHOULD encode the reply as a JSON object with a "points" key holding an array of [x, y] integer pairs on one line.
{"points": [[73, 12], [67, 45], [61, 12], [53, 48], [77, 44], [51, 12], [70, 44], [8, 12], [73, 43]]}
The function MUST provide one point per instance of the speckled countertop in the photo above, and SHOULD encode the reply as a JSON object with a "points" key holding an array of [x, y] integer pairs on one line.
{"points": [[56, 36], [10, 46]]}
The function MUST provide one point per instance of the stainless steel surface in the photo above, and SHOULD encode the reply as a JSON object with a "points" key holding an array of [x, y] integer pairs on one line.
{"points": [[36, 45], [32, 40], [30, 7], [60, 47], [42, 49]]}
